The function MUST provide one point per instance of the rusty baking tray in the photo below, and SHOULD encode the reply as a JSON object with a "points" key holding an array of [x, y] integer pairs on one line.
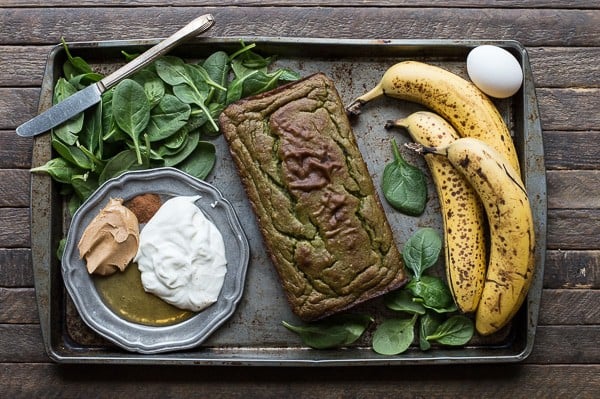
{"points": [[254, 334]]}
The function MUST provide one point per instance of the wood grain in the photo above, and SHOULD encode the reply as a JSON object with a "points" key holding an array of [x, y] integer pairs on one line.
{"points": [[570, 27], [573, 189], [16, 192], [15, 267], [18, 305], [15, 151], [573, 229], [481, 381], [572, 269], [591, 4], [563, 42], [15, 233], [571, 150]]}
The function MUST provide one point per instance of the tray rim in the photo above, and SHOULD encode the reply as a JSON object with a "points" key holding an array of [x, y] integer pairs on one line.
{"points": [[41, 215]]}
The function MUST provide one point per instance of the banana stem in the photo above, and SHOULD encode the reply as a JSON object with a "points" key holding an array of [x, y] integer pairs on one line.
{"points": [[355, 106], [424, 150], [390, 124]]}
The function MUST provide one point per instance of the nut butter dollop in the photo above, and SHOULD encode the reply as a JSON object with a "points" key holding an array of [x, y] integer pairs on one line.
{"points": [[111, 240]]}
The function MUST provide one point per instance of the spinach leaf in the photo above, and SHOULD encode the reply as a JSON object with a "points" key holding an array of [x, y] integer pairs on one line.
{"points": [[428, 323], [83, 80], [152, 84], [422, 250], [61, 170], [456, 331], [336, 331], [73, 204], [433, 293], [260, 82], [84, 185], [217, 67], [170, 115], [67, 131], [236, 87], [122, 162], [72, 154], [131, 110], [394, 336], [91, 137], [201, 161], [186, 150], [404, 185], [402, 301], [74, 65]]}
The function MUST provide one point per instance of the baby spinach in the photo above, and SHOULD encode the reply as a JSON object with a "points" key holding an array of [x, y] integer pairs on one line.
{"points": [[394, 336], [67, 132], [167, 117], [428, 324], [403, 301], [155, 118], [152, 84], [201, 160], [131, 110], [422, 251], [336, 331], [404, 185], [60, 169], [433, 293], [456, 331]]}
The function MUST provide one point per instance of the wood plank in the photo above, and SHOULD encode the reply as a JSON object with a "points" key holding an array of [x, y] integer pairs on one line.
{"points": [[17, 106], [15, 267], [571, 150], [592, 4], [578, 344], [21, 343], [569, 109], [572, 269], [532, 27], [570, 307], [573, 229], [553, 66], [482, 381], [16, 228], [14, 187], [573, 189], [18, 306], [566, 344], [15, 151], [22, 66]]}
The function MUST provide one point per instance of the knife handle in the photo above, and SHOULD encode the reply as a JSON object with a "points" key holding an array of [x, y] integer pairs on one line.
{"points": [[195, 27]]}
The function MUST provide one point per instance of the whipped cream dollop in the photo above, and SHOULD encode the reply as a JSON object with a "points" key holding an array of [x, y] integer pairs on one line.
{"points": [[181, 255]]}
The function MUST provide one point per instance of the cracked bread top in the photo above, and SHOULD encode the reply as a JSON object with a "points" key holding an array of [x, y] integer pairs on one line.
{"points": [[315, 202]]}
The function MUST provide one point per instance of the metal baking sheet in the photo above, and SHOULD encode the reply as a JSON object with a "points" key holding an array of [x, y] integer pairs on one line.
{"points": [[254, 335]]}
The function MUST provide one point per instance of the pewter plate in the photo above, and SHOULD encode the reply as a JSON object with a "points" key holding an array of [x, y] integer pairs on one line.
{"points": [[167, 182], [254, 334]]}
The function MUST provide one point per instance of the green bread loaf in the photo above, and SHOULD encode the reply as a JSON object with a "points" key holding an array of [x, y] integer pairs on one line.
{"points": [[316, 206]]}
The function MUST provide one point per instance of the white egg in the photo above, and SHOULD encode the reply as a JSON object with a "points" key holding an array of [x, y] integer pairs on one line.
{"points": [[495, 71]]}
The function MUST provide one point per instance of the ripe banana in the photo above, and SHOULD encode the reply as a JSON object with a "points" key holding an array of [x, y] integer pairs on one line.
{"points": [[457, 100], [462, 212], [511, 261]]}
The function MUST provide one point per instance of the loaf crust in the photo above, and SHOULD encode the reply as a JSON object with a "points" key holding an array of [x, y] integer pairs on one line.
{"points": [[315, 202]]}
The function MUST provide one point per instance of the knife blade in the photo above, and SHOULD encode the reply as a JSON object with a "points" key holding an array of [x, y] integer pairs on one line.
{"points": [[84, 99]]}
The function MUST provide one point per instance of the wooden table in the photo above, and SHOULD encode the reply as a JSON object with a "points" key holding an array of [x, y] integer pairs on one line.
{"points": [[563, 41]]}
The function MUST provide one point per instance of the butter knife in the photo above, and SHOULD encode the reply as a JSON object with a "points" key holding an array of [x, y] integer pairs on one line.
{"points": [[91, 95]]}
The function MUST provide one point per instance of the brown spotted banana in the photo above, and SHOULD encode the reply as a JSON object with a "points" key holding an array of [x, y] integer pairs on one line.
{"points": [[462, 212], [512, 240], [456, 99]]}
